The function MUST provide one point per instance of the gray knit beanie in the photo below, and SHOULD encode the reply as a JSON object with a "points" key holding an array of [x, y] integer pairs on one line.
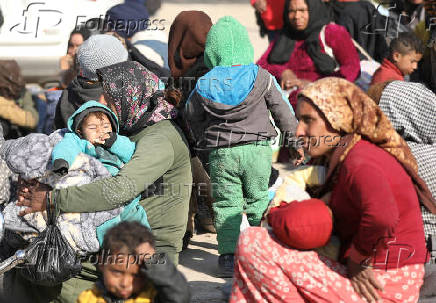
{"points": [[97, 52]]}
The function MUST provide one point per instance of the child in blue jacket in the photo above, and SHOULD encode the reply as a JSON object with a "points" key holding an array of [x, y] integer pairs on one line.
{"points": [[94, 131]]}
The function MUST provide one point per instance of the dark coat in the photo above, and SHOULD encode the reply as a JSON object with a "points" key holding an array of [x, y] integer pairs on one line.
{"points": [[78, 92], [364, 23]]}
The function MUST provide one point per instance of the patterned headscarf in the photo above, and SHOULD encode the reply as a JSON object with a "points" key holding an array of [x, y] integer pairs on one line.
{"points": [[134, 91], [349, 110]]}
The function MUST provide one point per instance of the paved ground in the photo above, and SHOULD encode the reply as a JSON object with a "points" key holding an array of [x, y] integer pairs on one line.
{"points": [[199, 264]]}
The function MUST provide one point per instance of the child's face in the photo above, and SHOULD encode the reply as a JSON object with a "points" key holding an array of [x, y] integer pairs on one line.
{"points": [[407, 63], [96, 129], [122, 277]]}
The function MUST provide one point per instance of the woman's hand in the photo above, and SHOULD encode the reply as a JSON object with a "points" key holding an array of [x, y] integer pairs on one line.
{"points": [[66, 62], [363, 280], [296, 156], [33, 195], [290, 80], [300, 158], [260, 5]]}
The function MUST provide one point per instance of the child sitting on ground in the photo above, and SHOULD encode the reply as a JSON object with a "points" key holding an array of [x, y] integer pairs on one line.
{"points": [[404, 54], [94, 131], [132, 273]]}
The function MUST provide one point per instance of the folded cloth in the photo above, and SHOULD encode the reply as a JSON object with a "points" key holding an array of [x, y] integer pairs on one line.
{"points": [[28, 156], [304, 225], [294, 185], [5, 182]]}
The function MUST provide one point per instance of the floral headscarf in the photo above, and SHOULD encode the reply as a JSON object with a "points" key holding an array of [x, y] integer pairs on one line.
{"points": [[349, 110], [134, 91]]}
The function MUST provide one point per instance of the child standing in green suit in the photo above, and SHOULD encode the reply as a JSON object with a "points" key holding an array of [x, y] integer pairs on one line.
{"points": [[228, 113]]}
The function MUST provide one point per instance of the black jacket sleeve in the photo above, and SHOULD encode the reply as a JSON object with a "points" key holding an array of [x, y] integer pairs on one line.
{"points": [[170, 284], [59, 121]]}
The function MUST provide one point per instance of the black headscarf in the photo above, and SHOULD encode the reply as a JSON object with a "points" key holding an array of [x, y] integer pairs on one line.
{"points": [[284, 46], [12, 84]]}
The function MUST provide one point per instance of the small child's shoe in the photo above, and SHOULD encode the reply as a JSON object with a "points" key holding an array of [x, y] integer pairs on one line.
{"points": [[225, 266]]}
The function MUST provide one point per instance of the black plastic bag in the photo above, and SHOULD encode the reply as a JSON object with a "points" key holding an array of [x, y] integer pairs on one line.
{"points": [[50, 260]]}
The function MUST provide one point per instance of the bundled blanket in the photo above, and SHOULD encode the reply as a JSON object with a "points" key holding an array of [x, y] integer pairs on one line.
{"points": [[29, 157], [293, 190]]}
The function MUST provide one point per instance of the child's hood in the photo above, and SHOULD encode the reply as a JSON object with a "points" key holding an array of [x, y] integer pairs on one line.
{"points": [[228, 44], [89, 107], [228, 86]]}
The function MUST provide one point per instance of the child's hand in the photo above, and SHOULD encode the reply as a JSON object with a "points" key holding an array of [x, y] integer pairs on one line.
{"points": [[101, 139], [300, 157], [60, 167], [109, 139], [145, 252]]}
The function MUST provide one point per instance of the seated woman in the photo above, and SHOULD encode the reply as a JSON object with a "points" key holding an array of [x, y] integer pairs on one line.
{"points": [[18, 115], [68, 63], [411, 108], [374, 186], [310, 48]]}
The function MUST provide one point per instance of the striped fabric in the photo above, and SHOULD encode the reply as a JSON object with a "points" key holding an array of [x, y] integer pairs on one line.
{"points": [[411, 107]]}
